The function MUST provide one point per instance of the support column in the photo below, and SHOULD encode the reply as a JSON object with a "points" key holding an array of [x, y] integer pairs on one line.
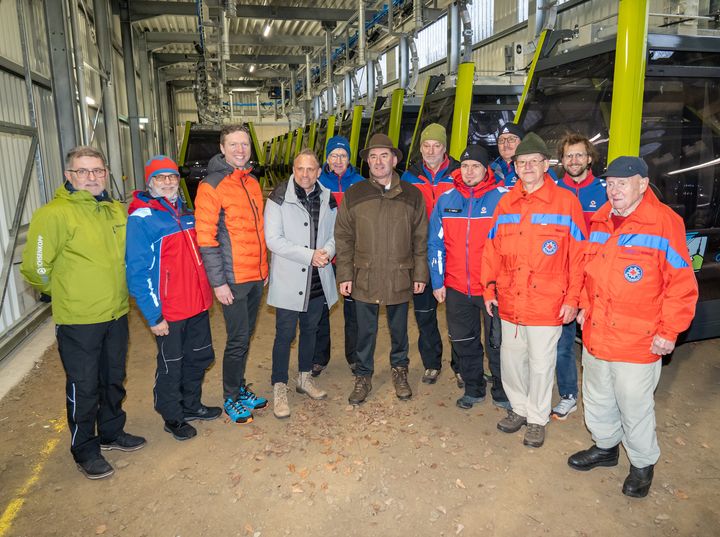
{"points": [[133, 116], [453, 35], [147, 92], [79, 75], [462, 107], [370, 81], [404, 63]]}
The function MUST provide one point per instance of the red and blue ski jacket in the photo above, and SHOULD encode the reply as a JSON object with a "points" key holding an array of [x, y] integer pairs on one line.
{"points": [[165, 271], [432, 185], [591, 192]]}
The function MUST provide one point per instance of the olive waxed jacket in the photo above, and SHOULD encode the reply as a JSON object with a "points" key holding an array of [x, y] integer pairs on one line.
{"points": [[381, 241]]}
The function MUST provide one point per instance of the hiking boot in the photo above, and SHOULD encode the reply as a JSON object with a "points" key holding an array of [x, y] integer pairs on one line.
{"points": [[306, 385], [317, 369], [592, 458], [180, 430], [637, 483], [502, 404], [534, 435], [566, 406], [362, 388], [511, 423], [402, 388], [281, 407], [125, 442], [431, 376], [466, 402], [237, 412], [459, 380], [249, 400], [96, 468], [204, 413]]}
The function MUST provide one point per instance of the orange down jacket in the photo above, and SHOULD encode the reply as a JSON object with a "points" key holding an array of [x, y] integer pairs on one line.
{"points": [[534, 253], [638, 282], [229, 225]]}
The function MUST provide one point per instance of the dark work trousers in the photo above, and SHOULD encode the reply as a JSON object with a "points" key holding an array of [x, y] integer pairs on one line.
{"points": [[183, 356], [429, 340], [367, 320], [286, 322], [463, 318], [322, 345], [93, 356], [240, 317], [566, 365]]}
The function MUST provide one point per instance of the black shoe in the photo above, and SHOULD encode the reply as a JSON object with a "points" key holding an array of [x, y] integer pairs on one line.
{"points": [[593, 457], [205, 413], [637, 483], [466, 402], [125, 442], [316, 370], [96, 468], [180, 430]]}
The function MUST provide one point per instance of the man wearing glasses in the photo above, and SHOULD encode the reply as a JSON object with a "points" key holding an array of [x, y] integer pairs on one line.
{"points": [[337, 176], [532, 271], [577, 154], [166, 276], [508, 139], [75, 256]]}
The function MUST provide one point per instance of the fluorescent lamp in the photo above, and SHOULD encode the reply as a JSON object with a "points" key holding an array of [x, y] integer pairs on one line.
{"points": [[252, 68], [266, 30], [90, 101]]}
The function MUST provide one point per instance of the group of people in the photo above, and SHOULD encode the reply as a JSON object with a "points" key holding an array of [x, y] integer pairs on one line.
{"points": [[519, 257]]}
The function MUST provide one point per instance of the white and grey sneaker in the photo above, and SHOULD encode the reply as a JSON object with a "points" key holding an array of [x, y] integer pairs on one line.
{"points": [[566, 406]]}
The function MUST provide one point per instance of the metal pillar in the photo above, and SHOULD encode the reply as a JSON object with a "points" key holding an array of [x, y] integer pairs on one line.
{"points": [[257, 104], [133, 116], [147, 92], [60, 69], [347, 91], [293, 86], [370, 81], [103, 32], [79, 74], [629, 79], [282, 99], [329, 72], [361, 32], [404, 63], [453, 36], [159, 81], [461, 109]]}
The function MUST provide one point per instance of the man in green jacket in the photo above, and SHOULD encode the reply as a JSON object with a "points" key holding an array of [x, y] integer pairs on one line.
{"points": [[381, 247], [75, 256]]}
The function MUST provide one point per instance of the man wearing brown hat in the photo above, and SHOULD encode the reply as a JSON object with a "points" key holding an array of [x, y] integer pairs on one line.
{"points": [[381, 247], [532, 270], [432, 176]]}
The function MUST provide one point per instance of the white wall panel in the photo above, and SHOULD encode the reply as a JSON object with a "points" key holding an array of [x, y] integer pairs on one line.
{"points": [[10, 32]]}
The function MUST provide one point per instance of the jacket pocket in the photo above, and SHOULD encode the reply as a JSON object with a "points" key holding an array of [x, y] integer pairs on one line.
{"points": [[361, 278], [403, 277]]}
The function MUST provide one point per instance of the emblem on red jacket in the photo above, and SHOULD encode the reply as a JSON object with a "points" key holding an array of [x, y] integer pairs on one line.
{"points": [[550, 247], [633, 273]]}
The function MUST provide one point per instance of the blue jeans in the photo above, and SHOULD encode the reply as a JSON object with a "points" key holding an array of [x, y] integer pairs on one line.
{"points": [[286, 322], [566, 366]]}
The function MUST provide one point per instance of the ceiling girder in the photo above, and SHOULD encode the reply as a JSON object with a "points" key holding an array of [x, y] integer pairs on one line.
{"points": [[169, 59], [166, 38]]}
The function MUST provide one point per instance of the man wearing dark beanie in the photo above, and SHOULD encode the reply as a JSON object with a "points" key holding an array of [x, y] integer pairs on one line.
{"points": [[508, 138]]}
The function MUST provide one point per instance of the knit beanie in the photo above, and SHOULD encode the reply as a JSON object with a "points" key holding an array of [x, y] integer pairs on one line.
{"points": [[475, 152], [512, 128], [532, 143], [159, 164], [337, 142], [435, 132]]}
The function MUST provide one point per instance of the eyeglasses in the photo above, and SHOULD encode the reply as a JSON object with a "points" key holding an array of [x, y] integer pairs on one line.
{"points": [[338, 156], [573, 156], [167, 177], [533, 162], [509, 140], [84, 173]]}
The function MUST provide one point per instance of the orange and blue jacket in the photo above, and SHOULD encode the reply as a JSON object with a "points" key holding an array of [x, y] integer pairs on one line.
{"points": [[533, 258], [639, 282], [459, 227], [432, 185], [229, 225]]}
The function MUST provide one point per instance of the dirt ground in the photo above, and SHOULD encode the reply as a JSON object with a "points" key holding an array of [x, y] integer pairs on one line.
{"points": [[387, 468]]}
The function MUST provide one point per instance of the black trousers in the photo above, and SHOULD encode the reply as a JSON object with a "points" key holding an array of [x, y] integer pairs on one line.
{"points": [[322, 345], [430, 343], [463, 318], [93, 356], [286, 322], [240, 318], [367, 319], [183, 356]]}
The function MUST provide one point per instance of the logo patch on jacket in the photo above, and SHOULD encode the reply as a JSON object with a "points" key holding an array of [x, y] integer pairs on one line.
{"points": [[550, 247], [633, 273]]}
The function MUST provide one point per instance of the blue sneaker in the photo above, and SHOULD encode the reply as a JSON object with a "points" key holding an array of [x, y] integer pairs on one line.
{"points": [[237, 412], [249, 400]]}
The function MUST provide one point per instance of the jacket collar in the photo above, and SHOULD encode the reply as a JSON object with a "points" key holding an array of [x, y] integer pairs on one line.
{"points": [[645, 213], [544, 193], [394, 183], [486, 185], [291, 193], [582, 184]]}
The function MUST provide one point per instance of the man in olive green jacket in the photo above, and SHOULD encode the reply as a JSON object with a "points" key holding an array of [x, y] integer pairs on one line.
{"points": [[381, 247], [75, 256]]}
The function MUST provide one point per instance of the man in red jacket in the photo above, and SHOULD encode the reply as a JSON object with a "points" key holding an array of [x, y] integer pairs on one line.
{"points": [[532, 270], [639, 294]]}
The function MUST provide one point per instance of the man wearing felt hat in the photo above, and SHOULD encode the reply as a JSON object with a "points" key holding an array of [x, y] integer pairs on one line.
{"points": [[337, 176], [639, 293], [532, 271], [381, 246], [166, 276], [459, 226]]}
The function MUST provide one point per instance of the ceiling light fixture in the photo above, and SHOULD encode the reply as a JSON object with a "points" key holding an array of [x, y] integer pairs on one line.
{"points": [[266, 30], [252, 68]]}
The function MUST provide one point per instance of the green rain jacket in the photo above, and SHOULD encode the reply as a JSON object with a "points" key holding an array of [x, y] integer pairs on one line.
{"points": [[75, 253]]}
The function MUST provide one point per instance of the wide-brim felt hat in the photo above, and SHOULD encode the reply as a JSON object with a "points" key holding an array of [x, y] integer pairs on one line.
{"points": [[380, 141]]}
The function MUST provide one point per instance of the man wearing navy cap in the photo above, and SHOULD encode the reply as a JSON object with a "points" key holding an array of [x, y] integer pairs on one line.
{"points": [[337, 176], [508, 139], [639, 293]]}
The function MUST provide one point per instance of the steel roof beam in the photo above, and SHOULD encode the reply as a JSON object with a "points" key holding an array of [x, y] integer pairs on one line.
{"points": [[169, 59], [166, 38]]}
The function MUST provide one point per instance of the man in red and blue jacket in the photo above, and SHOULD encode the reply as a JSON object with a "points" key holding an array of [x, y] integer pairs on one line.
{"points": [[166, 276], [432, 176], [459, 226], [508, 138], [337, 176]]}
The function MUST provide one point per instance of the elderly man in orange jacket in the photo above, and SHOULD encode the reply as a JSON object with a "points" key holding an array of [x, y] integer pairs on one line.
{"points": [[639, 294], [532, 271]]}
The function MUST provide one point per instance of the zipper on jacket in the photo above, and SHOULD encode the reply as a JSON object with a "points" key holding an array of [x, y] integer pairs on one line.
{"points": [[167, 283], [257, 231], [467, 244]]}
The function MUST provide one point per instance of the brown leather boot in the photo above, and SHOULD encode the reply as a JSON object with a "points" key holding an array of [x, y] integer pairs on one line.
{"points": [[360, 391], [400, 381]]}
